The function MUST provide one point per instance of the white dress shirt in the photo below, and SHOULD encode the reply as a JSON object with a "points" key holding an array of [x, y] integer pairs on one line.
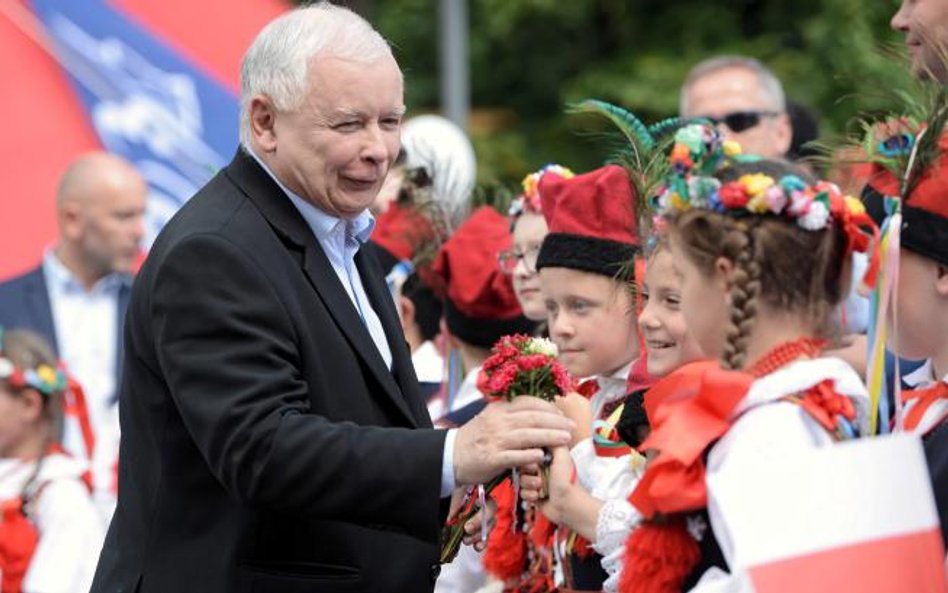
{"points": [[340, 240], [87, 325]]}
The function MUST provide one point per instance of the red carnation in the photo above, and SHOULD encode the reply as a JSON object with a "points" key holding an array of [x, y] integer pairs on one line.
{"points": [[532, 362], [503, 379], [562, 378]]}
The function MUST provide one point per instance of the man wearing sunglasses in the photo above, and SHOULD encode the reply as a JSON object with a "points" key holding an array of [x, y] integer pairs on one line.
{"points": [[744, 98]]}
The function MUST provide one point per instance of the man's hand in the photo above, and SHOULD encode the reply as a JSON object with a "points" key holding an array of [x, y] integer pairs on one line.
{"points": [[507, 435]]}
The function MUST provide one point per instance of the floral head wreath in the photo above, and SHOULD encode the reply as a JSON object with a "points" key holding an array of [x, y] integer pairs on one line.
{"points": [[699, 151], [48, 380], [529, 200], [44, 378]]}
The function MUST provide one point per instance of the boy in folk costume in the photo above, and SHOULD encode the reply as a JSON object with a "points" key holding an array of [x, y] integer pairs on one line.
{"points": [[763, 257], [583, 267], [669, 345], [479, 303], [50, 532], [920, 177], [479, 308], [519, 551]]}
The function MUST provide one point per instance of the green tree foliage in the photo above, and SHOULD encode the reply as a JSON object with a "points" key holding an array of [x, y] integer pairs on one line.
{"points": [[531, 58]]}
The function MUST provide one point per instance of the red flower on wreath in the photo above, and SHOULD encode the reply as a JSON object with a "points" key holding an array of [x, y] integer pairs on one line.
{"points": [[733, 195]]}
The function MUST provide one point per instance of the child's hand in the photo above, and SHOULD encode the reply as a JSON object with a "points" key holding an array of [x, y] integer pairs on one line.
{"points": [[578, 409], [560, 487], [472, 529]]}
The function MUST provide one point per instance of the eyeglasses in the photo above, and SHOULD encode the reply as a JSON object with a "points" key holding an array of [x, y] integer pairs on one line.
{"points": [[739, 121], [508, 259]]}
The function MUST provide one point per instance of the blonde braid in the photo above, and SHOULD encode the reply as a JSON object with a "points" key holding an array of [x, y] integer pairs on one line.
{"points": [[740, 246]]}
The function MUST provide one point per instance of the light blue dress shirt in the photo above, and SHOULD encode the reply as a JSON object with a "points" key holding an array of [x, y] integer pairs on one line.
{"points": [[340, 240]]}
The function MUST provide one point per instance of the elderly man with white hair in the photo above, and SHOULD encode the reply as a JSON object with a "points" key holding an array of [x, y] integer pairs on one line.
{"points": [[274, 438]]}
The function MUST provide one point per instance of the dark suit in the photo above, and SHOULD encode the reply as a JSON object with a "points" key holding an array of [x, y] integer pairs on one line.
{"points": [[25, 304], [266, 446]]}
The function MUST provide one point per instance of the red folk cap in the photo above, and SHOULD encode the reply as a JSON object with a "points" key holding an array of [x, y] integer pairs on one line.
{"points": [[592, 220], [924, 210], [480, 303]]}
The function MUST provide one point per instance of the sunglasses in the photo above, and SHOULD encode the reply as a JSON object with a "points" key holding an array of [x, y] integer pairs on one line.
{"points": [[738, 121]]}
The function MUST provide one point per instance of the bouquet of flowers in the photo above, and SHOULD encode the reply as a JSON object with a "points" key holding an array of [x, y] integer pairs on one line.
{"points": [[519, 365], [522, 365]]}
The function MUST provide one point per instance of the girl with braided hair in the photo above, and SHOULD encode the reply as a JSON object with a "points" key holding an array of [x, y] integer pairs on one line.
{"points": [[763, 255], [50, 533]]}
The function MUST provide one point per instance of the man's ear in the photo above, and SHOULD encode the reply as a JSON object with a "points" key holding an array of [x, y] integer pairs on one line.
{"points": [[70, 220], [783, 134], [263, 116]]}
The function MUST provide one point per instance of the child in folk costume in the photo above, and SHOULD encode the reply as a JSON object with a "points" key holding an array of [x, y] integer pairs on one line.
{"points": [[528, 228], [519, 553], [668, 345], [50, 532], [763, 257], [479, 303], [920, 181], [479, 308], [583, 267]]}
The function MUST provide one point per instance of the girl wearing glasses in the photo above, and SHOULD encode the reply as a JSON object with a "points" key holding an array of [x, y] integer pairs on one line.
{"points": [[528, 228]]}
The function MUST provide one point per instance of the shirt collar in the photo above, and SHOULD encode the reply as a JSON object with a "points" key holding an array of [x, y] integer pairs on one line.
{"points": [[323, 224], [62, 277], [923, 376], [615, 380]]}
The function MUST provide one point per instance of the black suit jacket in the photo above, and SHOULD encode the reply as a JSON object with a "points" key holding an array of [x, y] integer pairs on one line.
{"points": [[266, 447], [25, 304]]}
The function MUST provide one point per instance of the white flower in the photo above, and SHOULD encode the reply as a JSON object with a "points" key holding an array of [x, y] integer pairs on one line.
{"points": [[815, 218], [541, 346], [6, 368]]}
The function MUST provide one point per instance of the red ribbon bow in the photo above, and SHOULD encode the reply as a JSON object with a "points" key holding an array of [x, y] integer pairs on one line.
{"points": [[689, 410], [825, 405]]}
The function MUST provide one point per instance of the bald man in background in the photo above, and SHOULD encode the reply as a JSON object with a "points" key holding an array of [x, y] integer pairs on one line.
{"points": [[78, 294]]}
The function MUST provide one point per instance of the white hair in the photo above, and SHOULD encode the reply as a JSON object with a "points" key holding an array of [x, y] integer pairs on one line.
{"points": [[277, 63], [768, 83]]}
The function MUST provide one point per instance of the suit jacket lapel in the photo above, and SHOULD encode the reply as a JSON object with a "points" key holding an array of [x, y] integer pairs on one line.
{"points": [[326, 282], [124, 293], [41, 311], [382, 303], [287, 221]]}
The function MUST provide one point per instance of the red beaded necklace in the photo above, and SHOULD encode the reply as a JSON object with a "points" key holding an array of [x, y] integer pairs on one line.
{"points": [[786, 353]]}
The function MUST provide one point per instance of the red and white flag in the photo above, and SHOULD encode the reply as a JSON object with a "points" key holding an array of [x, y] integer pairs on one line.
{"points": [[858, 516]]}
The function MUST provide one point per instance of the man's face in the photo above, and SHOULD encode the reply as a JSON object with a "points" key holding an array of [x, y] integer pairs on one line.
{"points": [[732, 91], [108, 224], [335, 149], [925, 24]]}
